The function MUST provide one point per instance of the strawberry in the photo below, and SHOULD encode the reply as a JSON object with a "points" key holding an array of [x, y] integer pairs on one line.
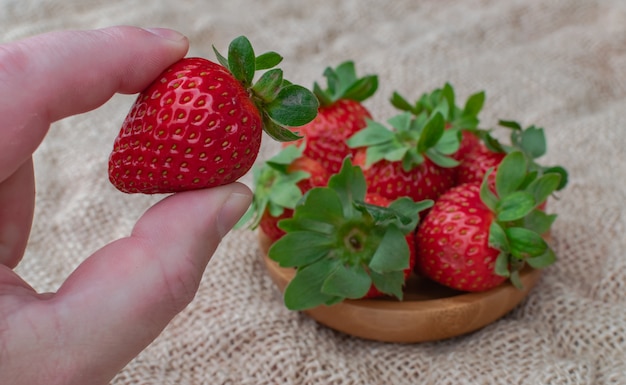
{"points": [[442, 100], [476, 164], [343, 247], [469, 265], [279, 184], [318, 174], [340, 115], [474, 239], [411, 160], [490, 152], [199, 124], [469, 141], [268, 224]]}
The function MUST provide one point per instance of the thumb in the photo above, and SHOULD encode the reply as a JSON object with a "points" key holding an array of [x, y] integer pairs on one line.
{"points": [[122, 297]]}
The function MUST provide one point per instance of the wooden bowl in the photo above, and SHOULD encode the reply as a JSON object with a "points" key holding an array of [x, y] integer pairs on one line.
{"points": [[429, 311]]}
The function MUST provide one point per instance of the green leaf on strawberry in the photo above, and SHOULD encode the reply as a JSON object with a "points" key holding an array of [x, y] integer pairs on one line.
{"points": [[267, 60], [268, 85], [280, 103], [409, 141], [343, 246], [241, 60], [305, 288], [531, 141], [350, 187], [461, 121], [343, 83], [544, 260], [443, 100], [539, 221], [519, 223], [275, 187]]}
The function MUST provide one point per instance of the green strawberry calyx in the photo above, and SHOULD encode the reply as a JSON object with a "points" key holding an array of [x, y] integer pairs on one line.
{"points": [[342, 83], [519, 222], [275, 188], [341, 245], [280, 103], [411, 139], [531, 141], [443, 100]]}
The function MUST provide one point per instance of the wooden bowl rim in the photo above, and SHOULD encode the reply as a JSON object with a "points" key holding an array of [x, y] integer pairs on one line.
{"points": [[457, 306]]}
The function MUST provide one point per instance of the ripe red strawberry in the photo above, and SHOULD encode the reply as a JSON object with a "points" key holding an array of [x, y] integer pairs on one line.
{"points": [[390, 179], [490, 152], [469, 141], [473, 239], [318, 174], [453, 242], [199, 123], [344, 247], [278, 186], [443, 100], [476, 163], [269, 224], [341, 114], [412, 160]]}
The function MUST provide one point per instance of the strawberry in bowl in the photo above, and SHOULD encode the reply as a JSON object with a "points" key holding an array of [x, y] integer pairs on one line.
{"points": [[341, 114], [474, 238]]}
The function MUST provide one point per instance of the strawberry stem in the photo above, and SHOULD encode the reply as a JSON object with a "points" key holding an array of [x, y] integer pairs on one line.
{"points": [[443, 100], [343, 83], [340, 245], [281, 104], [519, 222], [409, 140]]}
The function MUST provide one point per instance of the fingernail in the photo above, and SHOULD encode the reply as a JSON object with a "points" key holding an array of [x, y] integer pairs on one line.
{"points": [[232, 210], [167, 33]]}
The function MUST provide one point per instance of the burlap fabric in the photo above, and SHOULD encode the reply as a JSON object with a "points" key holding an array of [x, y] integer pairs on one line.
{"points": [[560, 64]]}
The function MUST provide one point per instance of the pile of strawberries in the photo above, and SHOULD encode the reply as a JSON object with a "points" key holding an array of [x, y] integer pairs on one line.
{"points": [[354, 204], [467, 211]]}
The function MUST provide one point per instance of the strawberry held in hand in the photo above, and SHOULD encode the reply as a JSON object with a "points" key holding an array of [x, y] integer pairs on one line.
{"points": [[344, 247], [473, 239], [200, 123]]}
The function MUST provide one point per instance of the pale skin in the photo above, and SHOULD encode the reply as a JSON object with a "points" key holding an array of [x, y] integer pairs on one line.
{"points": [[121, 297]]}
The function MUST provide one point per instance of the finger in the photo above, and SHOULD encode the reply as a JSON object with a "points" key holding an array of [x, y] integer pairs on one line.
{"points": [[54, 75], [122, 297], [17, 203]]}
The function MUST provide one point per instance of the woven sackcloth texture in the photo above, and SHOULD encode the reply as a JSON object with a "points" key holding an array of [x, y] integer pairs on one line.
{"points": [[560, 64]]}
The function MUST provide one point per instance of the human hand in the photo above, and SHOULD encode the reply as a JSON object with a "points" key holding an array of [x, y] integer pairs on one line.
{"points": [[120, 298]]}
